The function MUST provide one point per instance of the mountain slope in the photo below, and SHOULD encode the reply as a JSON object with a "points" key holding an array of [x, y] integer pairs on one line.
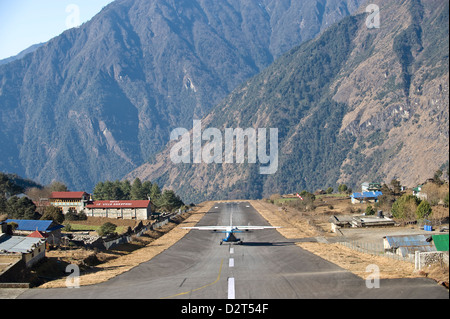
{"points": [[354, 105], [100, 100], [21, 54]]}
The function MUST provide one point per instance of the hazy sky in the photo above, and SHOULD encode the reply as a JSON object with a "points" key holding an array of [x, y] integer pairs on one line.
{"points": [[27, 22]]}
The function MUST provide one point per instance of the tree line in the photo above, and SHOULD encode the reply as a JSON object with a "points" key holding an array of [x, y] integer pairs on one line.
{"points": [[12, 206], [166, 200], [24, 206]]}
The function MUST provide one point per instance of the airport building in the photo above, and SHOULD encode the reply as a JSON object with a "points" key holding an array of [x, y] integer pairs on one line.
{"points": [[123, 209], [70, 200], [82, 202]]}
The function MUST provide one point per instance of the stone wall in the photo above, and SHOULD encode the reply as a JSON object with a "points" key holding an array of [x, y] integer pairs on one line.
{"points": [[429, 258]]}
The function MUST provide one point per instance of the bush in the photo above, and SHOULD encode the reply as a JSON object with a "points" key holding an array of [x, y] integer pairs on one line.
{"points": [[370, 211], [342, 188], [107, 229], [423, 210], [307, 204], [82, 216], [405, 207], [274, 197], [53, 213], [71, 215]]}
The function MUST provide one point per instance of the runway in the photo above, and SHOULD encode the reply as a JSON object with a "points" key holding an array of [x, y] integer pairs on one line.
{"points": [[266, 266]]}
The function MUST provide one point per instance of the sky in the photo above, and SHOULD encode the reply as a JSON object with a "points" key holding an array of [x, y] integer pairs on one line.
{"points": [[27, 22]]}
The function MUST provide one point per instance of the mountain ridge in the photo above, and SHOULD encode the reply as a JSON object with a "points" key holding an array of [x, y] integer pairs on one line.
{"points": [[98, 101], [345, 109]]}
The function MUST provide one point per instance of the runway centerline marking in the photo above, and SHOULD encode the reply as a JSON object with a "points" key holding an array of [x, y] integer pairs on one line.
{"points": [[197, 289], [231, 290]]}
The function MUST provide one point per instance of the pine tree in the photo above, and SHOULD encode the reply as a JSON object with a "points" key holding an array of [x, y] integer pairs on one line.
{"points": [[137, 190], [99, 191], [424, 210], [155, 193], [147, 189]]}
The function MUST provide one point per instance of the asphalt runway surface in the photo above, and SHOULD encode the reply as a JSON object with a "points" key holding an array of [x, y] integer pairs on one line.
{"points": [[265, 266]]}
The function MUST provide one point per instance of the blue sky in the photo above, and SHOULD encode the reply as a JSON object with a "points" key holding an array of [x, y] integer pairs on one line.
{"points": [[27, 22]]}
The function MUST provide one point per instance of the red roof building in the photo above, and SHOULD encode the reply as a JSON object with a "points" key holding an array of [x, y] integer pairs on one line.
{"points": [[70, 195], [38, 234], [70, 201], [117, 204], [123, 209]]}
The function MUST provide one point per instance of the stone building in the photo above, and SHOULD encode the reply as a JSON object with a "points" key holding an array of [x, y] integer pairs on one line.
{"points": [[122, 209], [70, 200]]}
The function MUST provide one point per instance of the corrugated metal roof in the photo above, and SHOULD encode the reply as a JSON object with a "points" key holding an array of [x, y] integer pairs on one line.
{"points": [[119, 204], [31, 225], [68, 195], [18, 244], [408, 244], [367, 195]]}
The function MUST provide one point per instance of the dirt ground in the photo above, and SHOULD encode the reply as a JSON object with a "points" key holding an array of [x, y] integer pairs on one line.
{"points": [[96, 221], [298, 225]]}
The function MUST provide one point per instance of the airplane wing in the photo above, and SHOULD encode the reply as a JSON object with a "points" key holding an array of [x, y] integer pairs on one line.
{"points": [[210, 228], [229, 228], [256, 227]]}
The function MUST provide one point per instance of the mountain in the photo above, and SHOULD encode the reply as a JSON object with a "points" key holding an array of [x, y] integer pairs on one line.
{"points": [[23, 53], [356, 104], [100, 100]]}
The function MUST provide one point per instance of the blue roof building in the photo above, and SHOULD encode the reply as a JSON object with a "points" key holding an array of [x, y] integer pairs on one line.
{"points": [[33, 225], [25, 227], [405, 245], [359, 198]]}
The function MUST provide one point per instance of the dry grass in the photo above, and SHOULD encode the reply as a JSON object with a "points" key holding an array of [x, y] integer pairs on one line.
{"points": [[126, 262], [293, 225], [438, 273], [357, 262], [344, 257]]}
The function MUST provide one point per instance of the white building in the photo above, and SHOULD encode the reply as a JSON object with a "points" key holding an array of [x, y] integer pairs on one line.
{"points": [[70, 200], [32, 249], [121, 209]]}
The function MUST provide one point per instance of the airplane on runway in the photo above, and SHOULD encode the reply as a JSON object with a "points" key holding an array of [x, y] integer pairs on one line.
{"points": [[231, 231]]}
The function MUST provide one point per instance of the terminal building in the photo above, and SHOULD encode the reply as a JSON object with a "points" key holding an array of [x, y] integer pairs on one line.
{"points": [[82, 202], [122, 209]]}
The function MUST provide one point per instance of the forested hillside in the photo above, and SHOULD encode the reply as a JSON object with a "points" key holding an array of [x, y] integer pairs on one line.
{"points": [[354, 105], [100, 100]]}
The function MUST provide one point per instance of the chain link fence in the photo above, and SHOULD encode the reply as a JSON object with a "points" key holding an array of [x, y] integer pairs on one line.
{"points": [[376, 248]]}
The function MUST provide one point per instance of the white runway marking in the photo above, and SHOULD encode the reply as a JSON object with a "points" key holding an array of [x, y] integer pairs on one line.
{"points": [[231, 292]]}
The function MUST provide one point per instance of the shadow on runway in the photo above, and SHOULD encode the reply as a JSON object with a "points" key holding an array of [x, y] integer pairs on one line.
{"points": [[257, 244], [291, 242]]}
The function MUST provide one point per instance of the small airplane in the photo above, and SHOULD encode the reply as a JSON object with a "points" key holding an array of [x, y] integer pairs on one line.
{"points": [[231, 231]]}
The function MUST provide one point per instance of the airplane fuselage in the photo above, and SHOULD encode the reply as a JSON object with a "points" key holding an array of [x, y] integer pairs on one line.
{"points": [[231, 238]]}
